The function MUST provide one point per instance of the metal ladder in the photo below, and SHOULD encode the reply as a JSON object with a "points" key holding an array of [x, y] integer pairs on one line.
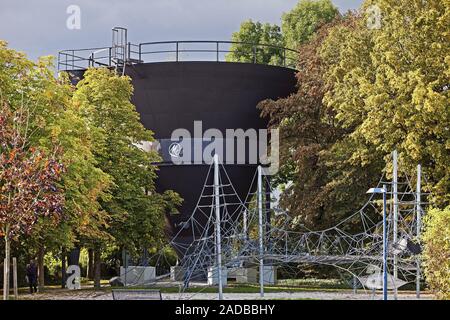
{"points": [[119, 52]]}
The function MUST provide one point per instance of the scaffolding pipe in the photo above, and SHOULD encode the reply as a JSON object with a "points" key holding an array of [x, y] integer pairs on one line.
{"points": [[385, 246], [260, 224], [218, 234], [395, 216], [419, 225], [245, 224]]}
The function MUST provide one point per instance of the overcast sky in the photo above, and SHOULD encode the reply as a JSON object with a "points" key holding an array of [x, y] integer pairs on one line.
{"points": [[38, 27]]}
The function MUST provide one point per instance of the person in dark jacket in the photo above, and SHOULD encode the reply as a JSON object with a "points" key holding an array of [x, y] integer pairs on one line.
{"points": [[32, 274]]}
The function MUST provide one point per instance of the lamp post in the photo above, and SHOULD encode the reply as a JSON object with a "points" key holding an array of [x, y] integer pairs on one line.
{"points": [[385, 239]]}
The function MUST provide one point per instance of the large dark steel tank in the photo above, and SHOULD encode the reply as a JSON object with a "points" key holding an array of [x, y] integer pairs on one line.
{"points": [[223, 95]]}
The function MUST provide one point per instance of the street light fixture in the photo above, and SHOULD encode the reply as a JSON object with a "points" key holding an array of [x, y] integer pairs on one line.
{"points": [[385, 239]]}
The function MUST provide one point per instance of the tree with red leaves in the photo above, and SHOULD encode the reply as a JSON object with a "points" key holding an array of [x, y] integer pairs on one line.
{"points": [[28, 181]]}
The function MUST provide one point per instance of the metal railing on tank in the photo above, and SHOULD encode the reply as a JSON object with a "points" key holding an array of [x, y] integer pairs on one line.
{"points": [[180, 51], [80, 59]]}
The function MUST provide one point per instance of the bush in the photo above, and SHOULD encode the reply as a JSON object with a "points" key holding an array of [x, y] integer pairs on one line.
{"points": [[436, 254]]}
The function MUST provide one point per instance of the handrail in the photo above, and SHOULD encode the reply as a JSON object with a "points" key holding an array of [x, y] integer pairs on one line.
{"points": [[79, 59], [219, 41]]}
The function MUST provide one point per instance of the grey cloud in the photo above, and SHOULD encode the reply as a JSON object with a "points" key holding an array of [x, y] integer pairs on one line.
{"points": [[39, 27]]}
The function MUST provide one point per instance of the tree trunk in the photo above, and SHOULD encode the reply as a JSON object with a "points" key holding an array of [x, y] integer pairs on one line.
{"points": [[40, 261], [74, 257], [90, 271], [97, 264], [6, 266], [63, 268]]}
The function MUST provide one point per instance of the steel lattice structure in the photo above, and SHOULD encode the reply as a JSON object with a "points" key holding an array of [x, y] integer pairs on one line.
{"points": [[253, 232]]}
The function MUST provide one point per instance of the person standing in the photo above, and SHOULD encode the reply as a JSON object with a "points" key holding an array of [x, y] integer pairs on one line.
{"points": [[32, 274]]}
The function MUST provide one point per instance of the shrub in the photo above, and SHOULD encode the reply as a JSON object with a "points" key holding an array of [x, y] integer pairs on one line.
{"points": [[436, 254]]}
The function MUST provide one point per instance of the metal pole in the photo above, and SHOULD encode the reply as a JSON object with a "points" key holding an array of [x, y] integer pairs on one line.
{"points": [[63, 268], [5, 280], [260, 223], [140, 52], [385, 244], [245, 225], [395, 206], [217, 51], [16, 292], [125, 264], [419, 225], [267, 205], [125, 41], [218, 235]]}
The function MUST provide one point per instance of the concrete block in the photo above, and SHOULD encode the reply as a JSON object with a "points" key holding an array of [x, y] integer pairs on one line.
{"points": [[270, 274], [176, 273], [246, 275], [213, 276], [137, 275]]}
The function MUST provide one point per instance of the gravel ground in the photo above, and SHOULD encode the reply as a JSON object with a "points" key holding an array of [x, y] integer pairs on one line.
{"points": [[317, 295]]}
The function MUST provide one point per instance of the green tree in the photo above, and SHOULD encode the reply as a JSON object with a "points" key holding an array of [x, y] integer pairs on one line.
{"points": [[28, 177], [136, 211], [56, 120], [324, 184], [300, 24], [251, 40], [390, 87], [436, 254]]}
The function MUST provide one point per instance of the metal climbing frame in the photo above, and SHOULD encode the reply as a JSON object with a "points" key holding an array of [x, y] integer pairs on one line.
{"points": [[230, 233], [354, 245]]}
